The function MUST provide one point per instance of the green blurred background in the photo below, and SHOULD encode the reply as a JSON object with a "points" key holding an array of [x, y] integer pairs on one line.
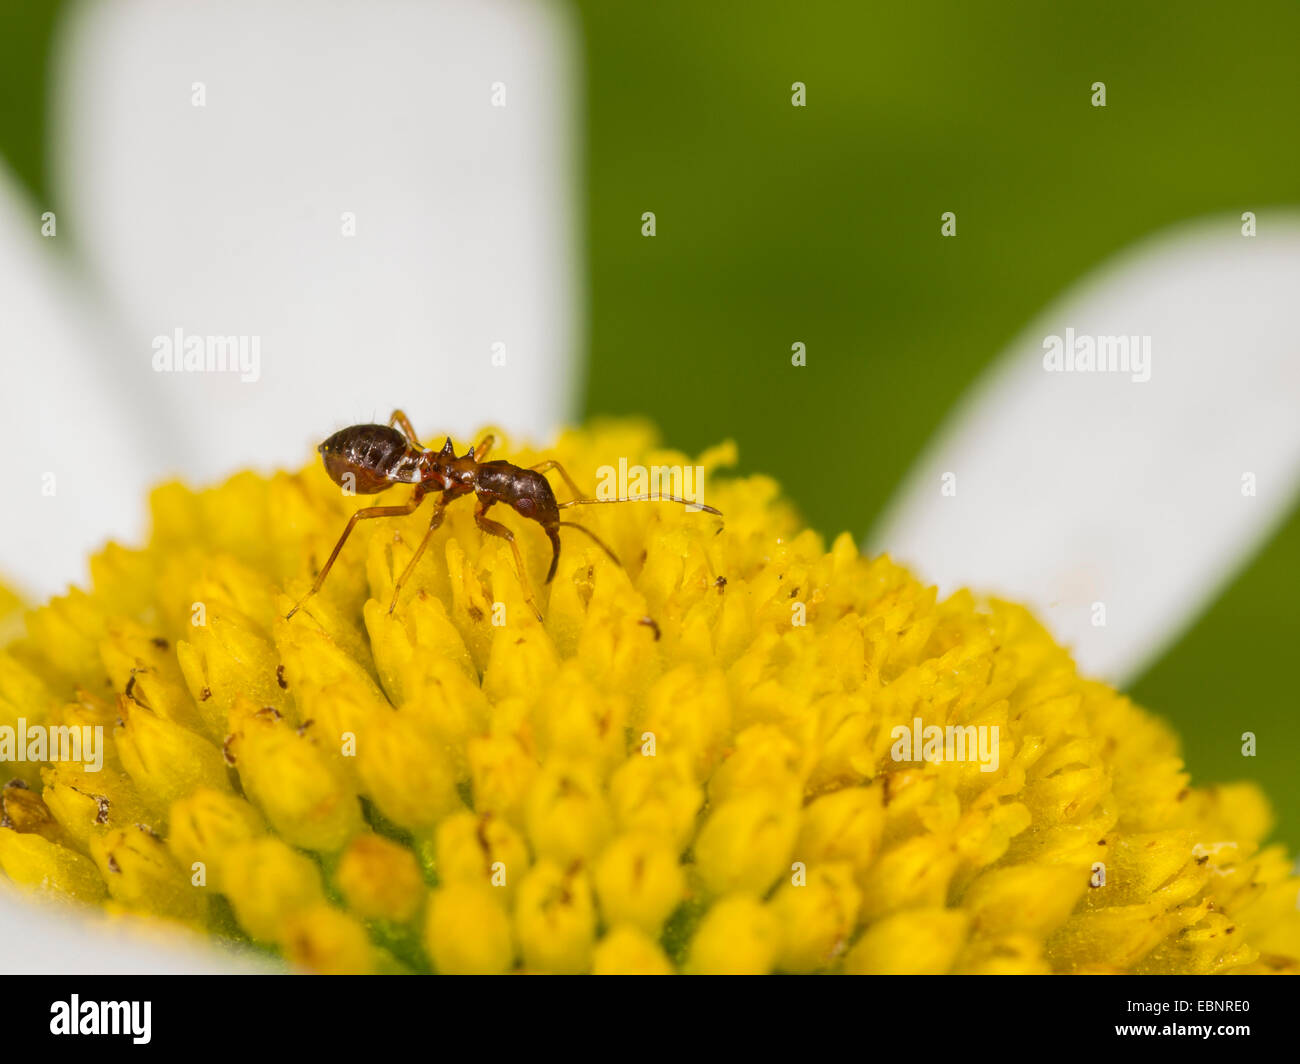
{"points": [[820, 224]]}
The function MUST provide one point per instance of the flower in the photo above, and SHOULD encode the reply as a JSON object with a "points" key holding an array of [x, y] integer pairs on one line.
{"points": [[692, 764]]}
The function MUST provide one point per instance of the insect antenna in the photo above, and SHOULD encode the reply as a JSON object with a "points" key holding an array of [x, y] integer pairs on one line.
{"points": [[641, 498]]}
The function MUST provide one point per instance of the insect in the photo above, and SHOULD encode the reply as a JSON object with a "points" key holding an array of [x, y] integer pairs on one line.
{"points": [[374, 458]]}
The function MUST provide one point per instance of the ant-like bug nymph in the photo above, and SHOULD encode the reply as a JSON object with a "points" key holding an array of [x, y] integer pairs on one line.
{"points": [[378, 457]]}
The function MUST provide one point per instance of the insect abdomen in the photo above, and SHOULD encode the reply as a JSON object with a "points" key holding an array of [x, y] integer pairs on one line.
{"points": [[375, 456]]}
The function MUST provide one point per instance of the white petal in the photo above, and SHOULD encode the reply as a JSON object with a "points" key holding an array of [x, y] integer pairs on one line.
{"points": [[1075, 489], [72, 458], [45, 939], [62, 437], [226, 219]]}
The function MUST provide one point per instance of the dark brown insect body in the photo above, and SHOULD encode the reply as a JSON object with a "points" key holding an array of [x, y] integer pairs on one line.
{"points": [[368, 459], [375, 456]]}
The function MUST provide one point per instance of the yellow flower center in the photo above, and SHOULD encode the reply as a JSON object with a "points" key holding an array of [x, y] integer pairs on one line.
{"points": [[735, 751]]}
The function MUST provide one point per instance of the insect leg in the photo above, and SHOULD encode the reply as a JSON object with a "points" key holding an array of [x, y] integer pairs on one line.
{"points": [[484, 445], [404, 423], [361, 515], [492, 528], [434, 521], [551, 463], [599, 542]]}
